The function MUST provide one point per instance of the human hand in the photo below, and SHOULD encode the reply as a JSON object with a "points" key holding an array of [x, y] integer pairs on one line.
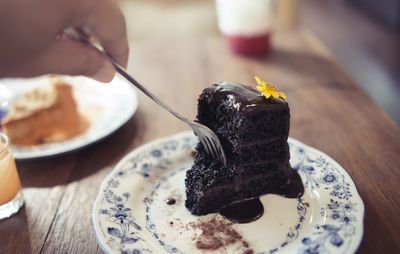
{"points": [[32, 42]]}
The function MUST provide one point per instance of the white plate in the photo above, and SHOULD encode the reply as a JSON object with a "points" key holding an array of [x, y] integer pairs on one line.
{"points": [[130, 214], [107, 106]]}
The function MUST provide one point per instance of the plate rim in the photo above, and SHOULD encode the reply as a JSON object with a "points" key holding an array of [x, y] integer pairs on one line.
{"points": [[20, 156], [344, 171], [121, 162], [151, 143]]}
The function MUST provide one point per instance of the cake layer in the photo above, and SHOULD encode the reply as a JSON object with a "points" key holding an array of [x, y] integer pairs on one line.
{"points": [[261, 168], [249, 124], [248, 153], [277, 150], [211, 203], [240, 119], [207, 175], [205, 165], [208, 199]]}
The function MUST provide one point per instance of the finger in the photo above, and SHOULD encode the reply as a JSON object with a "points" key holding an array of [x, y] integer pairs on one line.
{"points": [[105, 21], [70, 57]]}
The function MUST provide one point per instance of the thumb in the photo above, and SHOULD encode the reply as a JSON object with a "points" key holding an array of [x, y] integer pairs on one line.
{"points": [[66, 56]]}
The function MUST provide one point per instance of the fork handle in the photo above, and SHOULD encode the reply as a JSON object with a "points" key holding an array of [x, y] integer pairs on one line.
{"points": [[79, 36], [121, 71]]}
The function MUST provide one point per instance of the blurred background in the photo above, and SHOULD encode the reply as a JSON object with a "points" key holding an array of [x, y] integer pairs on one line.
{"points": [[363, 36]]}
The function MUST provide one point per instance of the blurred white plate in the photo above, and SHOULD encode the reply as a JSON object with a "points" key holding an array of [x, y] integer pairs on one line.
{"points": [[107, 106], [131, 214]]}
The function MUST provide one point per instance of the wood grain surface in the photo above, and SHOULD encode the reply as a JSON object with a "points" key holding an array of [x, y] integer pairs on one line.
{"points": [[329, 112]]}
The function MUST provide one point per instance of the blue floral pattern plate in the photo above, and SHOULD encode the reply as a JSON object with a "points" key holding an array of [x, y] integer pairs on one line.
{"points": [[106, 106], [133, 212]]}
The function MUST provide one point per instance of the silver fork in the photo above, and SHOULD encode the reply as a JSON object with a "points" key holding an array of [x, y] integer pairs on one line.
{"points": [[207, 137]]}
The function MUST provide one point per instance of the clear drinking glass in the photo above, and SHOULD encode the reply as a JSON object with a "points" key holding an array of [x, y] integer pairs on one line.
{"points": [[11, 198]]}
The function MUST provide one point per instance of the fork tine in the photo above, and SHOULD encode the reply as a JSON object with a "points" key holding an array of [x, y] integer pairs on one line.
{"points": [[219, 151], [223, 157], [220, 156], [209, 148], [214, 148], [209, 141], [205, 145]]}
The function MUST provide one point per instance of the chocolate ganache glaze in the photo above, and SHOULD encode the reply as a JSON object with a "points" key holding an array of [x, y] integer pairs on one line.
{"points": [[245, 95]]}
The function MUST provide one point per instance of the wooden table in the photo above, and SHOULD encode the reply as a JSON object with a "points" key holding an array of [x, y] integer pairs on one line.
{"points": [[329, 112]]}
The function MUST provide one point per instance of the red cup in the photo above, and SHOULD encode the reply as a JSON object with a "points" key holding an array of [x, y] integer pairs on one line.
{"points": [[249, 45], [246, 25]]}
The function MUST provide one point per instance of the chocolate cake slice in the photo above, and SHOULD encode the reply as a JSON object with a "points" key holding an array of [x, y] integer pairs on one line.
{"points": [[253, 131]]}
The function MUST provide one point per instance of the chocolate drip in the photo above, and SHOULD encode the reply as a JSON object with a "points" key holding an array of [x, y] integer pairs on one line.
{"points": [[244, 212], [252, 209], [294, 187]]}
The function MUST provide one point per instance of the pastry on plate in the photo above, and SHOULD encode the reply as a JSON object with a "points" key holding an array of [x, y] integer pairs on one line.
{"points": [[45, 114]]}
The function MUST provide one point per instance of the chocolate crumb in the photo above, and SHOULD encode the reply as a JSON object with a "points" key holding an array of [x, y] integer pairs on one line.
{"points": [[171, 223], [171, 201], [193, 153], [218, 233], [307, 204]]}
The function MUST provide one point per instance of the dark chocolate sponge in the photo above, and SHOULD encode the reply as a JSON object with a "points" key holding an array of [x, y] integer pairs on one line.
{"points": [[253, 131]]}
